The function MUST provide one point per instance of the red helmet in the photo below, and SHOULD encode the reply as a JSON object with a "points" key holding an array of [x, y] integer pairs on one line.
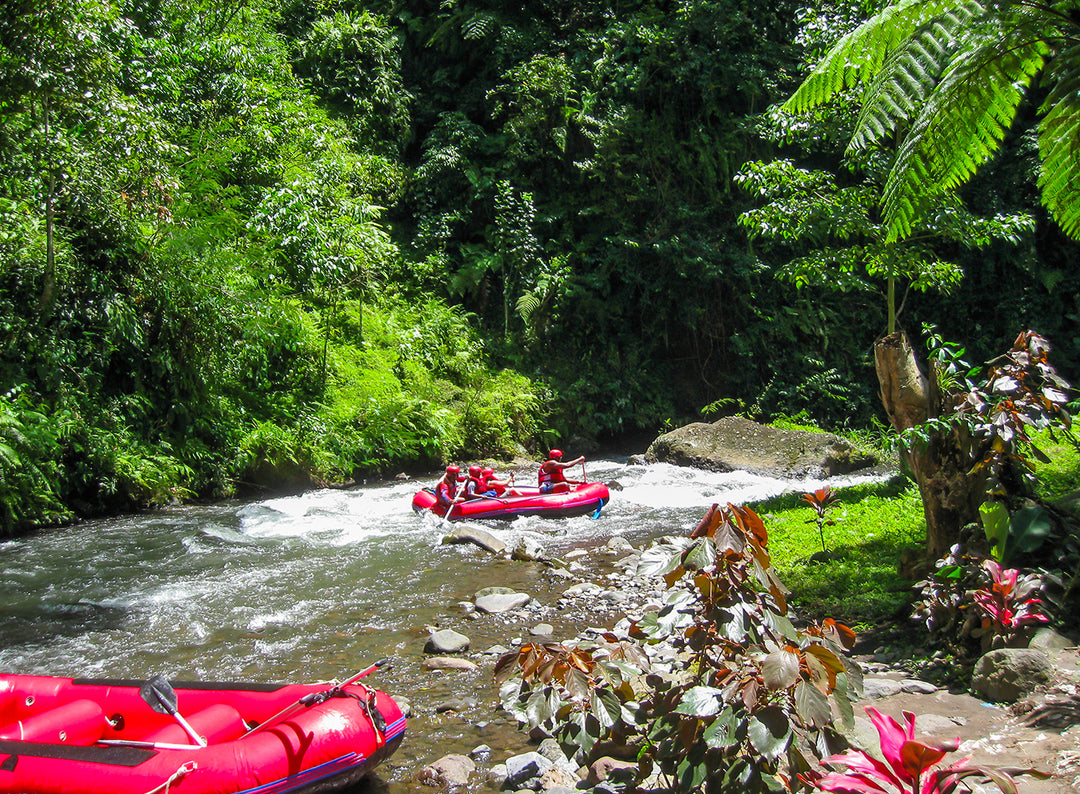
{"points": [[452, 470], [474, 471], [488, 472], [555, 453]]}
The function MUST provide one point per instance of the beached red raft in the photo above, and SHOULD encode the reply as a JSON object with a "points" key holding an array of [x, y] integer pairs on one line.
{"points": [[100, 736], [582, 500]]}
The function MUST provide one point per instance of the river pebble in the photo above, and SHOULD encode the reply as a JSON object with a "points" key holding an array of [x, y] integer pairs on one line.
{"points": [[497, 603], [446, 641], [448, 663]]}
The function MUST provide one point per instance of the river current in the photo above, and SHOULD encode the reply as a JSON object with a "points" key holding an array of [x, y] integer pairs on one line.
{"points": [[316, 587]]}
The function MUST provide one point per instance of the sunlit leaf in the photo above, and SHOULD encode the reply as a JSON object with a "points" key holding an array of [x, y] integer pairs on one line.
{"points": [[723, 731], [780, 669], [700, 701], [812, 705]]}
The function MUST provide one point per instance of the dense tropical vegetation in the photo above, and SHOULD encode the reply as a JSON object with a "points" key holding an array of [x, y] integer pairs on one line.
{"points": [[246, 243]]}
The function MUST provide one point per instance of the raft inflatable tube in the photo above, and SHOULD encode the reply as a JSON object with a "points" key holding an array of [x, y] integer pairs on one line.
{"points": [[100, 736], [586, 498]]}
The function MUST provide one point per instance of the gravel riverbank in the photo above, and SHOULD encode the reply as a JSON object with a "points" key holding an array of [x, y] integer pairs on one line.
{"points": [[598, 589]]}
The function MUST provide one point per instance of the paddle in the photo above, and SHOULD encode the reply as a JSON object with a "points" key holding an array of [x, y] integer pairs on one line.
{"points": [[453, 502], [314, 698], [161, 697]]}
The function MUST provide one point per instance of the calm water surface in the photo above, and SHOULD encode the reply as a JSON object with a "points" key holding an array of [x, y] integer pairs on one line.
{"points": [[316, 587]]}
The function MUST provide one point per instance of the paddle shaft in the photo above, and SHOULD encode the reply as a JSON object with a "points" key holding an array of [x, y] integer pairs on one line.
{"points": [[150, 745], [304, 701], [187, 727], [453, 502]]}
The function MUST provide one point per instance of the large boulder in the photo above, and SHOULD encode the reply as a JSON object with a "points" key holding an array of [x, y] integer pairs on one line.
{"points": [[446, 641], [1009, 674], [734, 443]]}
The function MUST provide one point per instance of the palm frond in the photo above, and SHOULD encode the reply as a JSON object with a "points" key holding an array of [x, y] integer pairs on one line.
{"points": [[961, 126], [1059, 141], [859, 55]]}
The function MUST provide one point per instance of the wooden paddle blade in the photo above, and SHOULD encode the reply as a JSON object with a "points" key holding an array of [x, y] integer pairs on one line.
{"points": [[159, 695]]}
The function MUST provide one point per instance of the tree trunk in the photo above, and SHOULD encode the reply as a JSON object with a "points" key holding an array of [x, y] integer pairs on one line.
{"points": [[951, 495]]}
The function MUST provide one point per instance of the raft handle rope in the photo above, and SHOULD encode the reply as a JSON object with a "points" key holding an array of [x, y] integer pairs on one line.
{"points": [[366, 701], [181, 772], [314, 698]]}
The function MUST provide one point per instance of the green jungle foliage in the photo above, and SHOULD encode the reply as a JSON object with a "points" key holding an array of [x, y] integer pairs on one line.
{"points": [[251, 244]]}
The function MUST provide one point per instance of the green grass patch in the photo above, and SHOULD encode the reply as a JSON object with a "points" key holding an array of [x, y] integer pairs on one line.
{"points": [[1062, 474], [857, 581]]}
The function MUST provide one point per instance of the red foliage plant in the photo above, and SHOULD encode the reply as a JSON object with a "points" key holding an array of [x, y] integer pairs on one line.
{"points": [[908, 766]]}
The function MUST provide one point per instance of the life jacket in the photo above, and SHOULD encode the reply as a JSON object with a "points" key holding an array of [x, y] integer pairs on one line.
{"points": [[554, 476], [445, 492], [474, 488]]}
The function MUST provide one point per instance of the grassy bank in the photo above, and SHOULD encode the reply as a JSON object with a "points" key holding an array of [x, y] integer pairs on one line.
{"points": [[857, 581]]}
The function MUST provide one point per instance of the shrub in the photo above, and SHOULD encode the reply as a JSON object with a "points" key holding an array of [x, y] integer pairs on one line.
{"points": [[747, 705], [29, 464], [969, 597]]}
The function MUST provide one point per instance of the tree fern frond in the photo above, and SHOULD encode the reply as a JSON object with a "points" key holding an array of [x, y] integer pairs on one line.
{"points": [[907, 77], [1059, 141], [527, 304], [960, 127], [860, 54], [478, 27]]}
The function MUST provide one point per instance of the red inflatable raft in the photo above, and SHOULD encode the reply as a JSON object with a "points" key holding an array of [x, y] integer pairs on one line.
{"points": [[586, 498], [98, 736]]}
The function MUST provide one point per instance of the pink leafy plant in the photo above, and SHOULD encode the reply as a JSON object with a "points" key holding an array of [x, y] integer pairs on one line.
{"points": [[909, 764], [1008, 604]]}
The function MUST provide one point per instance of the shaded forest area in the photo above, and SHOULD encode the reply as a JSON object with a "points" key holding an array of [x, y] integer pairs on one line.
{"points": [[246, 245]]}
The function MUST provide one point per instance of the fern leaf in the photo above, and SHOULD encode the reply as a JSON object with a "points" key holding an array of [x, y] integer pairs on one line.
{"points": [[960, 126], [907, 77], [1059, 142], [527, 304], [859, 55]]}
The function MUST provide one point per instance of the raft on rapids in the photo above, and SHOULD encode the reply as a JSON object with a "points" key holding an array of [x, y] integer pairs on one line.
{"points": [[107, 736], [589, 497]]}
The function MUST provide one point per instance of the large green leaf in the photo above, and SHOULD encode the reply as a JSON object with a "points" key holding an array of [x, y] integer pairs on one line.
{"points": [[770, 732], [700, 701], [1029, 529], [861, 54], [995, 521]]}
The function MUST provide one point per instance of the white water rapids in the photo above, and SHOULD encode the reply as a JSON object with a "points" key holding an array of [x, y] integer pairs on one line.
{"points": [[314, 587]]}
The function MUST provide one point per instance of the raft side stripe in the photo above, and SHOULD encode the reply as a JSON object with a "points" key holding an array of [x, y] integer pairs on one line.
{"points": [[329, 769], [93, 754], [394, 729]]}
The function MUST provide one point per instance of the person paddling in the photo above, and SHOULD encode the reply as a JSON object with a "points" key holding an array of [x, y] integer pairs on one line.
{"points": [[474, 485], [447, 488], [552, 477], [493, 487]]}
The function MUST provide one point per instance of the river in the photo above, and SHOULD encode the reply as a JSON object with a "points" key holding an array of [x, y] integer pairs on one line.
{"points": [[316, 587]]}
